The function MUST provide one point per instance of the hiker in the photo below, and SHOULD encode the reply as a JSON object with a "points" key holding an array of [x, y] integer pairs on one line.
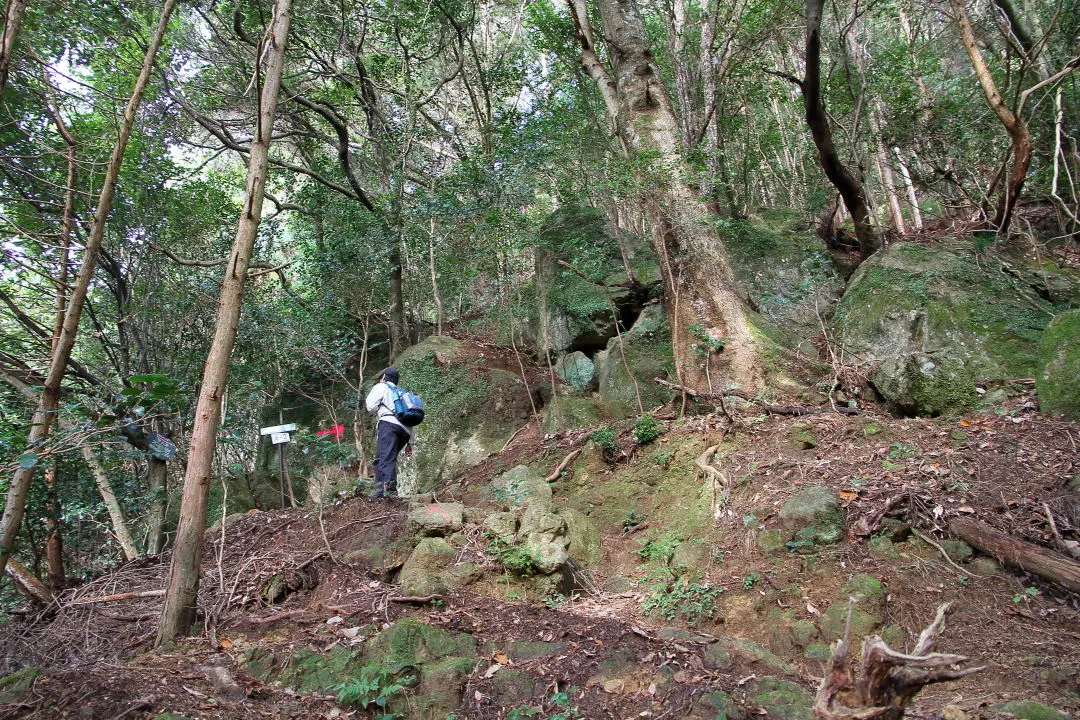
{"points": [[390, 434]]}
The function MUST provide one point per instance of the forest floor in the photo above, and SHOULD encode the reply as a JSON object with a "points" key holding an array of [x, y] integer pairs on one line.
{"points": [[286, 581]]}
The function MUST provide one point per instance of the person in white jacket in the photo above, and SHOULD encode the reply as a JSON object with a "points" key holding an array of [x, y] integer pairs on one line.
{"points": [[390, 435]]}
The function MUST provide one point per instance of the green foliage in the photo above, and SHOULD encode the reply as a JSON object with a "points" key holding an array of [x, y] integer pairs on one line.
{"points": [[660, 549], [515, 558], [902, 451], [706, 344], [605, 438], [750, 580], [692, 600], [804, 539], [646, 429], [1027, 594], [375, 686], [632, 520]]}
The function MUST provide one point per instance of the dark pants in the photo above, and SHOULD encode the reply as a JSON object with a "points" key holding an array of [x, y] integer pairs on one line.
{"points": [[389, 439]]}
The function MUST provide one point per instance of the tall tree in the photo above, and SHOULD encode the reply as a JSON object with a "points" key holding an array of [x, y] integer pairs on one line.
{"points": [[50, 393], [183, 584], [698, 281]]}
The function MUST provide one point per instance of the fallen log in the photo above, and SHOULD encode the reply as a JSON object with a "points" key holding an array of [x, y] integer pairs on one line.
{"points": [[119, 596], [1032, 558], [26, 581]]}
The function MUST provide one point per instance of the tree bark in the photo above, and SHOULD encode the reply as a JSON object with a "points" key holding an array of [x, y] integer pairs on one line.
{"points": [[13, 17], [157, 475], [849, 187], [50, 394], [1018, 553], [182, 590], [28, 583], [1014, 124], [698, 282], [54, 539]]}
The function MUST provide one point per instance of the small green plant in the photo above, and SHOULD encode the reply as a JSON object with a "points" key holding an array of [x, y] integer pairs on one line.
{"points": [[605, 438], [902, 451], [750, 580], [554, 602], [706, 343], [514, 596], [1026, 595], [663, 458], [376, 686], [631, 520], [660, 549], [646, 429], [693, 600], [749, 520], [804, 539], [562, 709], [516, 559]]}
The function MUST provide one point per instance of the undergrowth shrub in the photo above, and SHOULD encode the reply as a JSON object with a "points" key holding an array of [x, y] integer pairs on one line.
{"points": [[516, 559], [646, 429], [375, 687], [689, 598]]}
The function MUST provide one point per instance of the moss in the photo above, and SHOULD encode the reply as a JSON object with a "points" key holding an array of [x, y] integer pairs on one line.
{"points": [[782, 699], [718, 705], [1059, 361], [15, 685], [569, 413], [535, 649], [1030, 710], [308, 671], [409, 642]]}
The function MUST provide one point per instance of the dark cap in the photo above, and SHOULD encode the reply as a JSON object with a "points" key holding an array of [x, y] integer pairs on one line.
{"points": [[390, 374]]}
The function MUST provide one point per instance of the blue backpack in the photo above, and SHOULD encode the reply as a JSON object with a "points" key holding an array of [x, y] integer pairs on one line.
{"points": [[408, 407]]}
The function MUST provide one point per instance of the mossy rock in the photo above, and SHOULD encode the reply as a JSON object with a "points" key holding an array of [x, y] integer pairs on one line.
{"points": [[585, 545], [579, 310], [803, 436], [881, 548], [567, 412], [503, 525], [1030, 710], [804, 632], [782, 699], [941, 319], [411, 643], [524, 650], [745, 654], [306, 671], [813, 516], [771, 542], [817, 651], [784, 267], [522, 487], [647, 355], [422, 573], [435, 520], [718, 705], [440, 690], [14, 686], [1059, 366], [512, 686], [868, 615], [473, 408], [576, 370], [957, 550]]}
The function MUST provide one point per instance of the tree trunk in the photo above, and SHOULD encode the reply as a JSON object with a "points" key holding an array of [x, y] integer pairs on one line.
{"points": [[54, 540], [116, 513], [1019, 554], [157, 484], [399, 337], [50, 393], [698, 282], [13, 17], [28, 583], [1015, 127], [849, 187], [182, 590]]}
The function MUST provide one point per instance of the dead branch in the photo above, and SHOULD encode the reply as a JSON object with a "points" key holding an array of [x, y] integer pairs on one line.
{"points": [[273, 618], [1041, 561], [562, 465], [930, 541], [119, 596], [770, 409], [415, 599], [888, 680]]}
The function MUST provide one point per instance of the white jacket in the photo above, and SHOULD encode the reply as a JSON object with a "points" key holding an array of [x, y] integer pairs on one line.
{"points": [[381, 402]]}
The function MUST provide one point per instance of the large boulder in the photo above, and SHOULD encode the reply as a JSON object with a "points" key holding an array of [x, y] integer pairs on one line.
{"points": [[578, 313], [1059, 361], [435, 519], [783, 269], [941, 319], [627, 366], [474, 404], [576, 370], [422, 573], [546, 538]]}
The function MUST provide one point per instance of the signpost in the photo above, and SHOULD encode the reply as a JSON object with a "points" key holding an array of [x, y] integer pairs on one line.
{"points": [[280, 436]]}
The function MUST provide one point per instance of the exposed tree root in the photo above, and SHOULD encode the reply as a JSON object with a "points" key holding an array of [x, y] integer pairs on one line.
{"points": [[888, 680], [771, 409]]}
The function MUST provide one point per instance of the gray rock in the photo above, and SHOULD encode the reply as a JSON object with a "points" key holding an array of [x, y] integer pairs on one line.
{"points": [[422, 573], [503, 525], [577, 370], [545, 535], [813, 516], [436, 520], [522, 487]]}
